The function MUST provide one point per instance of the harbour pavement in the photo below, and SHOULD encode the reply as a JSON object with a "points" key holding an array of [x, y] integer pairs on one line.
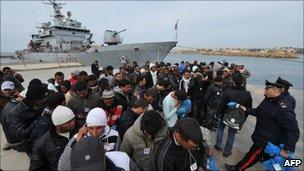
{"points": [[13, 160]]}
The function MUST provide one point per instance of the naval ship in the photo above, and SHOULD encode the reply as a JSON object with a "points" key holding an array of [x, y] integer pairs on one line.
{"points": [[65, 40]]}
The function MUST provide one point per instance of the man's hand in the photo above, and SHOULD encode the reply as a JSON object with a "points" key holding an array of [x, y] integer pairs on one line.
{"points": [[284, 153], [81, 133], [233, 105]]}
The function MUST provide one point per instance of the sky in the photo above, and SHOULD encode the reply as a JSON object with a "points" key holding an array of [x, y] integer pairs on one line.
{"points": [[203, 24]]}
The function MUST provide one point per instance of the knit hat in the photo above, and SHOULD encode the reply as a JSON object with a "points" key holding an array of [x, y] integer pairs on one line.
{"points": [[88, 154], [36, 91], [96, 117], [62, 115], [107, 94], [7, 85]]}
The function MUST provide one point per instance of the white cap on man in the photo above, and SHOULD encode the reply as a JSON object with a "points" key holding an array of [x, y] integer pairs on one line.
{"points": [[96, 117], [7, 85], [62, 115]]}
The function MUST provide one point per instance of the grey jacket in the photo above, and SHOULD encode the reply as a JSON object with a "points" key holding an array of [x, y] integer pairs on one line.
{"points": [[141, 149]]}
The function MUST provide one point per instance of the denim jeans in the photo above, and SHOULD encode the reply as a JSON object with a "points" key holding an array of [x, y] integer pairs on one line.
{"points": [[230, 137]]}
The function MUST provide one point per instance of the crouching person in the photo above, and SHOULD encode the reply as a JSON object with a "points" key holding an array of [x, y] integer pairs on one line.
{"points": [[183, 149], [142, 140], [48, 148], [96, 126]]}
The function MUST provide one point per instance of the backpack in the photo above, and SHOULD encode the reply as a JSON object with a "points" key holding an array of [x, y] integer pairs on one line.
{"points": [[235, 118]]}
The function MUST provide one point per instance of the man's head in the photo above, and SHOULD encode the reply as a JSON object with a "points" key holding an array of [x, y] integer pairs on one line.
{"points": [[187, 133], [136, 69], [151, 123], [65, 86], [59, 77], [161, 85], [118, 77], [63, 118], [238, 79], [81, 89], [7, 70], [83, 76], [109, 69], [141, 80], [272, 89], [218, 80], [92, 81], [8, 88], [150, 95], [152, 67], [139, 106], [186, 74], [108, 97], [56, 99], [96, 122], [125, 86], [36, 93], [180, 95]]}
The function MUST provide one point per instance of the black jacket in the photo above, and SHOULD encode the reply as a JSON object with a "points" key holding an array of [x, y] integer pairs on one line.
{"points": [[235, 94], [170, 156], [5, 122], [126, 120], [196, 89], [125, 100], [22, 120], [213, 96], [47, 151], [276, 123]]}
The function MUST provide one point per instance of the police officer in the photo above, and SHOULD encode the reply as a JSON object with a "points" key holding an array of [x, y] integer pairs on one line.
{"points": [[276, 123], [288, 98]]}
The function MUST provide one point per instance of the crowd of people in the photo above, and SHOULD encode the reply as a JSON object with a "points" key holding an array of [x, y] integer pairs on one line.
{"points": [[152, 117]]}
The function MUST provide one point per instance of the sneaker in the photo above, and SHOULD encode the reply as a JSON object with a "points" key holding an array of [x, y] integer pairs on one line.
{"points": [[226, 154], [217, 148], [7, 147], [230, 167]]}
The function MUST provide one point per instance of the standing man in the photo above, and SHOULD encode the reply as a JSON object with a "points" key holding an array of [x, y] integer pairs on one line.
{"points": [[183, 149], [95, 69], [142, 139], [48, 148], [276, 123], [59, 79]]}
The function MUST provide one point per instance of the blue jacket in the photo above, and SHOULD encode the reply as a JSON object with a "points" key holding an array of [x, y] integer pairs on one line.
{"points": [[184, 109]]}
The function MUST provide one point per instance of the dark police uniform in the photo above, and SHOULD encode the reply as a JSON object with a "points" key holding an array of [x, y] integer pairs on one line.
{"points": [[276, 123]]}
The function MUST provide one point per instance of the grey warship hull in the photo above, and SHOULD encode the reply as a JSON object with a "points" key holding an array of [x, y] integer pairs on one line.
{"points": [[108, 55]]}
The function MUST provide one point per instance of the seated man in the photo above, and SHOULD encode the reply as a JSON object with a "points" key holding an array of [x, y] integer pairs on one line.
{"points": [[142, 139], [183, 149]]}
